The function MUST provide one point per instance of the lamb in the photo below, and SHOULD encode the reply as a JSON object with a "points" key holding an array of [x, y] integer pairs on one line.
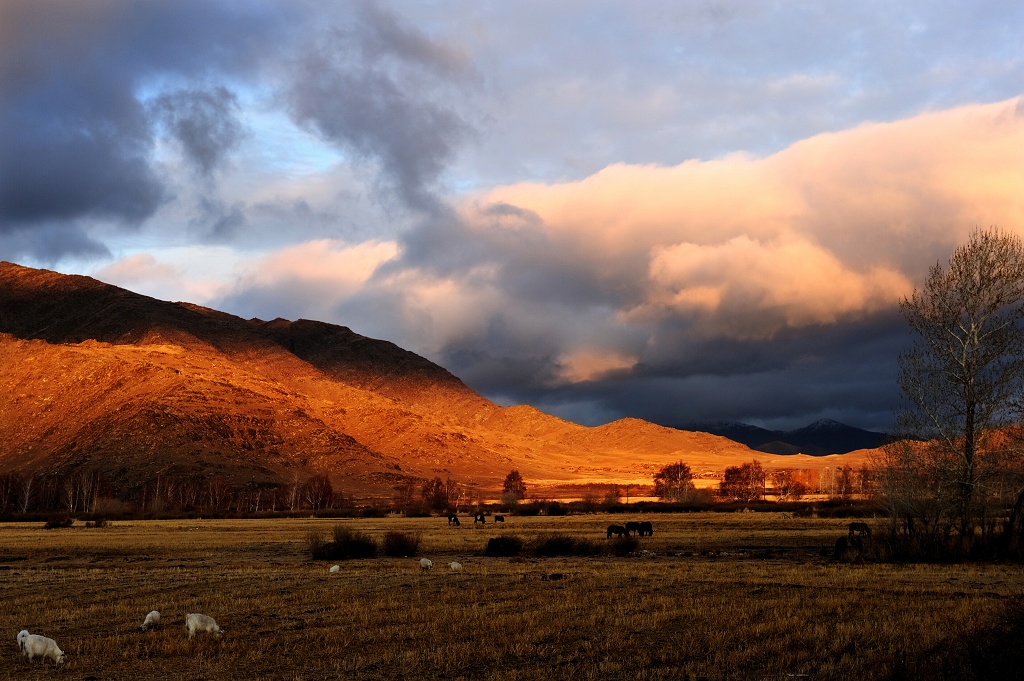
{"points": [[34, 645], [22, 635], [152, 621], [335, 569], [426, 564], [198, 624], [455, 566]]}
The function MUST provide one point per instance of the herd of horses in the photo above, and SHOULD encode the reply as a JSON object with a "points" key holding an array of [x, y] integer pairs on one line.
{"points": [[478, 518], [631, 529]]}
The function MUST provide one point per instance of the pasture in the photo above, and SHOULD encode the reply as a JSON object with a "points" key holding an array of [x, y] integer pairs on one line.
{"points": [[726, 596]]}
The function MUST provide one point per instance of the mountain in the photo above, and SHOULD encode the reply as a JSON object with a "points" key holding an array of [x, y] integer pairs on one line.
{"points": [[94, 377], [820, 438]]}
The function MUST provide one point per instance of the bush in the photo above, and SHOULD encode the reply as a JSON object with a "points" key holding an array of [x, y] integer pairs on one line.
{"points": [[400, 544], [503, 547], [564, 545], [315, 543], [351, 544], [56, 522], [99, 522], [623, 546]]}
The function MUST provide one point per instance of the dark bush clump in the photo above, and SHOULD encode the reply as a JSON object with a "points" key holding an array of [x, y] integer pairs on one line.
{"points": [[401, 544], [99, 522], [564, 545], [503, 547], [346, 544], [351, 544], [623, 546], [56, 522]]}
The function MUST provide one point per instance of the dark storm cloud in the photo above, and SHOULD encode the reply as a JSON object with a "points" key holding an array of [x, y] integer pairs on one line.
{"points": [[384, 92], [204, 122], [76, 141], [844, 372]]}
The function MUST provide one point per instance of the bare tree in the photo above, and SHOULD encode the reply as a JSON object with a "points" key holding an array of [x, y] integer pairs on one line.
{"points": [[674, 482], [745, 483], [962, 380]]}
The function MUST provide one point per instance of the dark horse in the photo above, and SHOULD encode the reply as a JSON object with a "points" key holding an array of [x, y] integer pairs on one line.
{"points": [[860, 529], [479, 518], [617, 530], [632, 528], [454, 520], [499, 518], [646, 529]]}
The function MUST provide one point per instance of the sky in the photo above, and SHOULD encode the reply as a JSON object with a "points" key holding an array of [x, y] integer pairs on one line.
{"points": [[676, 210]]}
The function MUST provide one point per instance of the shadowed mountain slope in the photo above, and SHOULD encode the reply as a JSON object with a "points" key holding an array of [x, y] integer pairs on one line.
{"points": [[94, 376]]}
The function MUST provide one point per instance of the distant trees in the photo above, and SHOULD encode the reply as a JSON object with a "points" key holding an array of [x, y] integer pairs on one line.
{"points": [[513, 489], [674, 482], [441, 495], [963, 380], [786, 485], [743, 483]]}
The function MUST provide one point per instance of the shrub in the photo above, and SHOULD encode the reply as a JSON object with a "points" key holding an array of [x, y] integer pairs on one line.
{"points": [[623, 546], [400, 544], [350, 544], [503, 547], [99, 522], [58, 521], [315, 543], [564, 545]]}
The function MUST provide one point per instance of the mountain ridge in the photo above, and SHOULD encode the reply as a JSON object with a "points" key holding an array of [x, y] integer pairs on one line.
{"points": [[97, 376]]}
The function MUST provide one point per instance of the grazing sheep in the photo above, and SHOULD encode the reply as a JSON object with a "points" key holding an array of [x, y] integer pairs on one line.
{"points": [[152, 621], [34, 645], [426, 564], [455, 566], [335, 569], [22, 635], [480, 518], [198, 624], [454, 520]]}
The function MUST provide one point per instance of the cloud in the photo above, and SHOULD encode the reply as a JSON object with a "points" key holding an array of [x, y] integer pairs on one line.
{"points": [[387, 94], [78, 143], [204, 123]]}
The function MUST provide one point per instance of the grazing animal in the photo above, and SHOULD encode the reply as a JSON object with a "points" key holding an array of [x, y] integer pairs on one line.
{"points": [[632, 528], [22, 635], [499, 518], [646, 529], [34, 645], [152, 621], [860, 528], [335, 569], [455, 566], [426, 564], [454, 520], [201, 624], [617, 530], [479, 518]]}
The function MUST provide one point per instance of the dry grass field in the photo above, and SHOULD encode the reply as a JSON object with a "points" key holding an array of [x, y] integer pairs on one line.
{"points": [[727, 596]]}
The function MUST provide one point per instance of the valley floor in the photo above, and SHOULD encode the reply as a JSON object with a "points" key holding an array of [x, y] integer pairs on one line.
{"points": [[716, 596]]}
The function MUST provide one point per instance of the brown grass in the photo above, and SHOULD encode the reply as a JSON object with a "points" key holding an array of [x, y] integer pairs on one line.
{"points": [[728, 596]]}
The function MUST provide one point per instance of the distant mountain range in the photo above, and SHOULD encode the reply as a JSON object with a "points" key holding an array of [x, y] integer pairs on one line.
{"points": [[97, 378], [818, 439]]}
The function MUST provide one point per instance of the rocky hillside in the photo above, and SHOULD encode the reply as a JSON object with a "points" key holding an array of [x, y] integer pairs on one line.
{"points": [[94, 376]]}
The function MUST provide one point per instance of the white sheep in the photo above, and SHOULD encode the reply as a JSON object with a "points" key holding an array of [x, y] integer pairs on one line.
{"points": [[34, 645], [198, 624], [152, 621], [22, 635], [455, 566], [426, 564], [335, 569]]}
